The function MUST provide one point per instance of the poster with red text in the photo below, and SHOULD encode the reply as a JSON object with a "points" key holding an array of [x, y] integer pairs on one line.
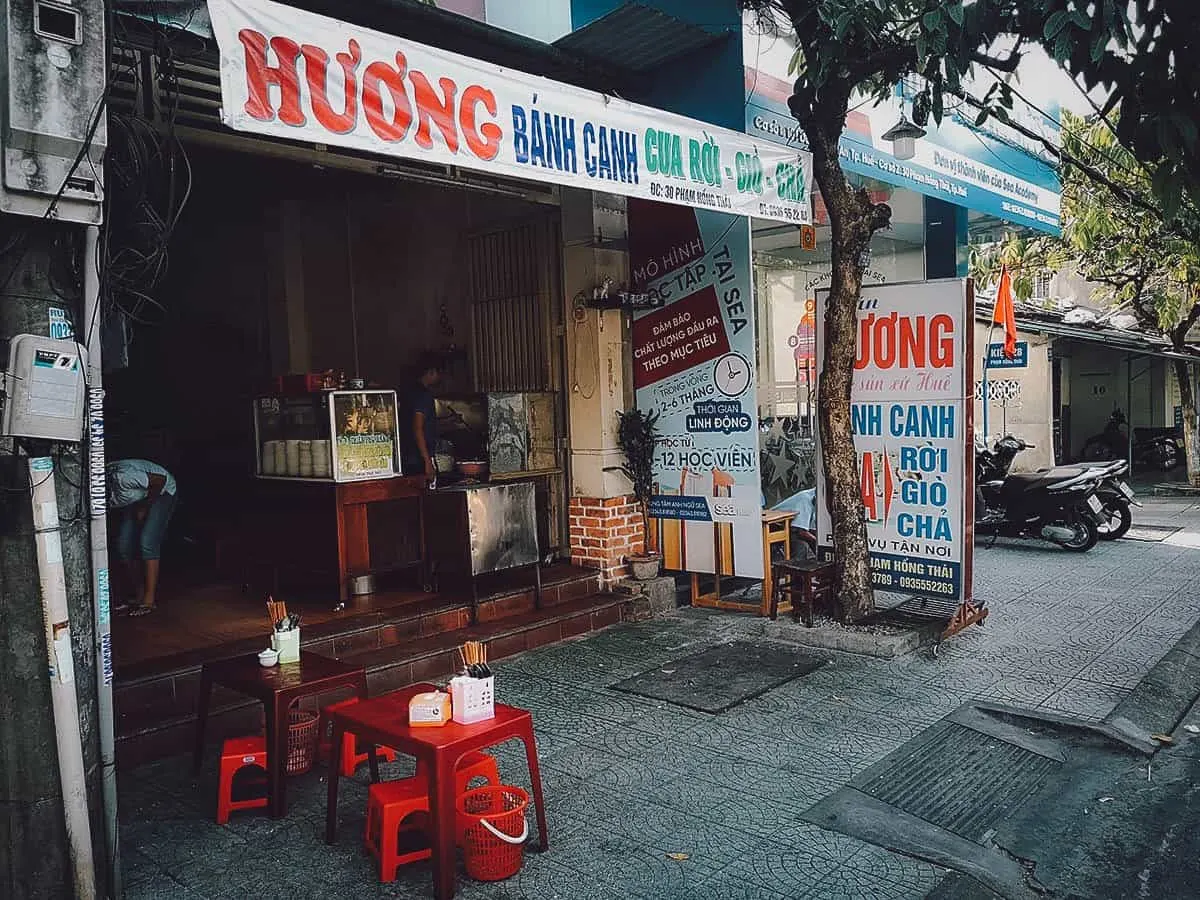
{"points": [[694, 364], [912, 425]]}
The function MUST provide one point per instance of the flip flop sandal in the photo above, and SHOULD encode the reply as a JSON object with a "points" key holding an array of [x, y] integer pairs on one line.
{"points": [[140, 611]]}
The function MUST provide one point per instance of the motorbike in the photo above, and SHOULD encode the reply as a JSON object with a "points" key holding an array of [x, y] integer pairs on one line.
{"points": [[1115, 494], [1161, 448], [1058, 505]]}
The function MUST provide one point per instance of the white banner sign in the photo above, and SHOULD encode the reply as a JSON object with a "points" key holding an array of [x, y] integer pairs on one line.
{"points": [[292, 74], [912, 432]]}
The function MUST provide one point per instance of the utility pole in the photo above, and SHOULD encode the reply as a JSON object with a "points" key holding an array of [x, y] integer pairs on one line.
{"points": [[35, 863]]}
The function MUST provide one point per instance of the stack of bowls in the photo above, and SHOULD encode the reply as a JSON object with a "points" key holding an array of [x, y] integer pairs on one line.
{"points": [[306, 459], [269, 455], [293, 458], [322, 462]]}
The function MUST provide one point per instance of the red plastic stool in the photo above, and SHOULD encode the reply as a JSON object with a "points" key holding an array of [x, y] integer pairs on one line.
{"points": [[351, 758], [470, 767], [389, 804], [238, 754]]}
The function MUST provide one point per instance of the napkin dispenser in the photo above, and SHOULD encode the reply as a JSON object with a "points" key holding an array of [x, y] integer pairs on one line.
{"points": [[429, 709]]}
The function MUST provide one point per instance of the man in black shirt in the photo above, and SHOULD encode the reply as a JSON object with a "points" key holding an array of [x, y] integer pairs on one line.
{"points": [[418, 426]]}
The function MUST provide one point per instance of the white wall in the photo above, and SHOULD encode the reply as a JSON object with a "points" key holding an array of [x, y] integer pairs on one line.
{"points": [[1029, 412]]}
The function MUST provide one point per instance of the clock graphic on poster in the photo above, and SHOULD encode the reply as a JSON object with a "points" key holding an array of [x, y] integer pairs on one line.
{"points": [[732, 374]]}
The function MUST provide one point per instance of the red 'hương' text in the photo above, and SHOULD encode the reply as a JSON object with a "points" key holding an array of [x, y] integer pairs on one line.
{"points": [[466, 118], [908, 342]]}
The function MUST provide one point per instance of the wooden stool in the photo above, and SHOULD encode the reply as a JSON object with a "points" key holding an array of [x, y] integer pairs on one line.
{"points": [[238, 754], [812, 579]]}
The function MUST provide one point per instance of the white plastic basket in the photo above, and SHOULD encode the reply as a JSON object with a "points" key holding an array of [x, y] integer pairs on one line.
{"points": [[472, 699]]}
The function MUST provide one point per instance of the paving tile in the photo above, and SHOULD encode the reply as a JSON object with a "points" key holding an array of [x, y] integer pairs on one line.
{"points": [[631, 781]]}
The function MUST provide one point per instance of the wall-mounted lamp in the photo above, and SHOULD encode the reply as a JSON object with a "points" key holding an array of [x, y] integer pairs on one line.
{"points": [[903, 136]]}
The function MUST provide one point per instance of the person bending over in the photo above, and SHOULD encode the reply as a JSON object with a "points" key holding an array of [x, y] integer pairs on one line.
{"points": [[145, 493]]}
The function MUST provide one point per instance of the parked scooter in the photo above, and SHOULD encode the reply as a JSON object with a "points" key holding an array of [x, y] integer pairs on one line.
{"points": [[1059, 506], [994, 464], [1161, 448]]}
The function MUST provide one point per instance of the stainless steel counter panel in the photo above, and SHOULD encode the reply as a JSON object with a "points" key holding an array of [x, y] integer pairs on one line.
{"points": [[477, 529]]}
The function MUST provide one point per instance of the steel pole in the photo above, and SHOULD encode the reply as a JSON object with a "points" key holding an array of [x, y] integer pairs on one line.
{"points": [[97, 504]]}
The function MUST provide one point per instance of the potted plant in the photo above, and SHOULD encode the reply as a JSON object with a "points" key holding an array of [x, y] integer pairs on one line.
{"points": [[637, 436]]}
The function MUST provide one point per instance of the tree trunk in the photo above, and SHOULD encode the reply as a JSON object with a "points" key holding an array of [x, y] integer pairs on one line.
{"points": [[853, 218], [1187, 401]]}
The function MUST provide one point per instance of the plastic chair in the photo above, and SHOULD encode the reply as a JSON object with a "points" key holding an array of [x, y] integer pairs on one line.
{"points": [[238, 754], [351, 758]]}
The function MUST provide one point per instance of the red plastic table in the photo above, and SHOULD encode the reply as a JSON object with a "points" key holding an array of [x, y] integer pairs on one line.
{"points": [[383, 721], [277, 688]]}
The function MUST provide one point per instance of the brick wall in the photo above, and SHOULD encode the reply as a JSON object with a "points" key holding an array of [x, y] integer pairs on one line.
{"points": [[604, 533]]}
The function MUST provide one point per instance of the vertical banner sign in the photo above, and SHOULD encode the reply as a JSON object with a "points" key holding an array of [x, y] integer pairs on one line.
{"points": [[693, 363], [912, 432]]}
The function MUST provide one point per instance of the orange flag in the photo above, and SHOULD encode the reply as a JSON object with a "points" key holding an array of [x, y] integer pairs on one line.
{"points": [[1004, 314]]}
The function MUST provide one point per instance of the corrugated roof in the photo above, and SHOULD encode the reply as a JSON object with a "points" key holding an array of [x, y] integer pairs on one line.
{"points": [[637, 38], [1048, 322]]}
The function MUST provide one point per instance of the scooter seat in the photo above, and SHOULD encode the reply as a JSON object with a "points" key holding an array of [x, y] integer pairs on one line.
{"points": [[1045, 478]]}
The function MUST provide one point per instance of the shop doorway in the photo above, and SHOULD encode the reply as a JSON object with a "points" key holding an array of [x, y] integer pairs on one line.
{"points": [[280, 267]]}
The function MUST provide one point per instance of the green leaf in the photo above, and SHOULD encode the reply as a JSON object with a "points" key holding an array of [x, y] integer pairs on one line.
{"points": [[1063, 48], [1098, 45], [796, 64], [982, 117], [932, 20], [953, 78], [938, 106], [920, 108], [955, 11], [1055, 24]]}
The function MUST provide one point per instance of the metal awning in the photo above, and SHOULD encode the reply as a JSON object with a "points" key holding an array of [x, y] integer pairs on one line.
{"points": [[1117, 338], [638, 38]]}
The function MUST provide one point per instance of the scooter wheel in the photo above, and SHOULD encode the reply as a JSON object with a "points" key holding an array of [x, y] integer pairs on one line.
{"points": [[1118, 521], [1168, 457], [1086, 536]]}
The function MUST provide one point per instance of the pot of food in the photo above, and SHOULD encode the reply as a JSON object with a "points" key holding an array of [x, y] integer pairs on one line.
{"points": [[473, 468]]}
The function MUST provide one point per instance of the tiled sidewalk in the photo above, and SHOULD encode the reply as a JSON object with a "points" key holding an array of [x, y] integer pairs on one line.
{"points": [[634, 785]]}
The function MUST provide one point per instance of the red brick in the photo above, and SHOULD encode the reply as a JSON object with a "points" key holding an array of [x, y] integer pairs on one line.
{"points": [[540, 637], [507, 645], [577, 625], [602, 618]]}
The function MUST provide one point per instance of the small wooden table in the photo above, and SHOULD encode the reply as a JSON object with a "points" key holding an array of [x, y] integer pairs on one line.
{"points": [[277, 688], [383, 721], [776, 532]]}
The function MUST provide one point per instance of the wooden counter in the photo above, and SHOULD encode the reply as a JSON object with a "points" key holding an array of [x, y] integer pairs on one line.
{"points": [[306, 516]]}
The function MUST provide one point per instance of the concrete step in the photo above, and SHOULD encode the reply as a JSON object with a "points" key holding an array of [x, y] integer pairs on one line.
{"points": [[156, 713]]}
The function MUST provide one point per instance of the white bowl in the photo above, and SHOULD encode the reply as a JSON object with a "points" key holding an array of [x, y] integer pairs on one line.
{"points": [[268, 658]]}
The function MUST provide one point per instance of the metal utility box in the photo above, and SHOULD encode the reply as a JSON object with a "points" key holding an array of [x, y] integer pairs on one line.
{"points": [[53, 127], [481, 528], [44, 389], [478, 529]]}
